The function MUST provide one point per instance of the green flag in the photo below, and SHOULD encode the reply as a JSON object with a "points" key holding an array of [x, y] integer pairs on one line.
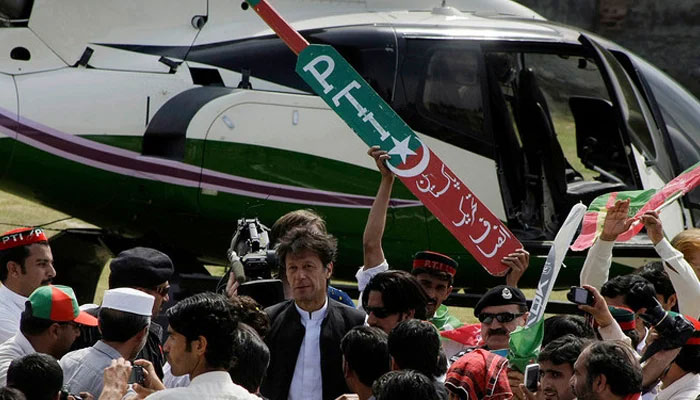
{"points": [[525, 344]]}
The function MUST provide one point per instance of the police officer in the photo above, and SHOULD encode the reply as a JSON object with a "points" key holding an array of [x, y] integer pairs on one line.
{"points": [[149, 271]]}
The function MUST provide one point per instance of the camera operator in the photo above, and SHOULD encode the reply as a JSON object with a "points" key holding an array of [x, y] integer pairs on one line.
{"points": [[252, 257]]}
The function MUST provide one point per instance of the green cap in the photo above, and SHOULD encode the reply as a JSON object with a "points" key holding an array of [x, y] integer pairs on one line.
{"points": [[57, 303]]}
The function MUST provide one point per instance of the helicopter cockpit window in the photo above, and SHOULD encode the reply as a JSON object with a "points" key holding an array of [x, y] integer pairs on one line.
{"points": [[441, 93], [452, 90]]}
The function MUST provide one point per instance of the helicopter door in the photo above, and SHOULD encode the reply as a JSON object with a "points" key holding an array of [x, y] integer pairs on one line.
{"points": [[636, 122]]}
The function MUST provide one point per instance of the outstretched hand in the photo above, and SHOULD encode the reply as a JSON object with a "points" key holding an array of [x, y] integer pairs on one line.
{"points": [[599, 310], [617, 220]]}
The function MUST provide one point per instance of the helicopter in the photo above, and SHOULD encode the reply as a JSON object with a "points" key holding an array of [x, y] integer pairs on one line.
{"points": [[165, 122]]}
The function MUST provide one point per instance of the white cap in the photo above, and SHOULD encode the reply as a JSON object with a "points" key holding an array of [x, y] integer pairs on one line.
{"points": [[129, 300]]}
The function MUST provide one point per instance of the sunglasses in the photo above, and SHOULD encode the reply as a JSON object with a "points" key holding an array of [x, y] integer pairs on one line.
{"points": [[379, 312], [488, 318]]}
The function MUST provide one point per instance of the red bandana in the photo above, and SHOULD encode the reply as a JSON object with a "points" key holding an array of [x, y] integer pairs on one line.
{"points": [[21, 237]]}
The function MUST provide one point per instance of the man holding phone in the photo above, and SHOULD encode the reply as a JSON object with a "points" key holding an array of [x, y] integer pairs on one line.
{"points": [[556, 366]]}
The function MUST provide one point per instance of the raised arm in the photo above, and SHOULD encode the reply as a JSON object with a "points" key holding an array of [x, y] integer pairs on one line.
{"points": [[682, 275], [596, 268], [376, 220]]}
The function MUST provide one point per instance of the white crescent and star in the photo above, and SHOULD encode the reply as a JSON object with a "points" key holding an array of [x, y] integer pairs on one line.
{"points": [[402, 150]]}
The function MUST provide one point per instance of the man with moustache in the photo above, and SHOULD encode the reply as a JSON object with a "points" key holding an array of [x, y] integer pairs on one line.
{"points": [[26, 263], [500, 311]]}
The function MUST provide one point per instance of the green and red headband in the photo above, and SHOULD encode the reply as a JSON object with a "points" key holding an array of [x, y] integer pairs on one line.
{"points": [[434, 261], [624, 316], [21, 237]]}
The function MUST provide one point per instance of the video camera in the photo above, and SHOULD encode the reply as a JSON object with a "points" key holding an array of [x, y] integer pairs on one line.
{"points": [[250, 255], [252, 262], [674, 330]]}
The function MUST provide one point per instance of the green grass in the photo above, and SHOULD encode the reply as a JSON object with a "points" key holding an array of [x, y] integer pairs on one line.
{"points": [[17, 212]]}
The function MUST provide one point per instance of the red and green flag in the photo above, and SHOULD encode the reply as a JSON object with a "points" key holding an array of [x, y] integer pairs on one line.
{"points": [[641, 201]]}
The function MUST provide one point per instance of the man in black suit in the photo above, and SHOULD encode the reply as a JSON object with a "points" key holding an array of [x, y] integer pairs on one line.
{"points": [[305, 333]]}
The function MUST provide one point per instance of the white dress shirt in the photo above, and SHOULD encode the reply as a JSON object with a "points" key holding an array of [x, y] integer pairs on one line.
{"points": [[13, 348], [210, 385], [307, 380], [685, 388], [11, 307]]}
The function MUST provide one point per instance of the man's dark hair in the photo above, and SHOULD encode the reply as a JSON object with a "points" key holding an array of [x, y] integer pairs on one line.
{"points": [[415, 344], [621, 285], [303, 238], [251, 358], [689, 359], [210, 315], [31, 325], [250, 312], [563, 350], [557, 326], [655, 273], [401, 292], [120, 326], [404, 385], [17, 254], [366, 351], [616, 361], [8, 393], [37, 375], [296, 219]]}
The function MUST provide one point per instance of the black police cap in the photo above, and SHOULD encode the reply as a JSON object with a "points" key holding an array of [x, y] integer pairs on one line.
{"points": [[500, 296], [140, 267]]}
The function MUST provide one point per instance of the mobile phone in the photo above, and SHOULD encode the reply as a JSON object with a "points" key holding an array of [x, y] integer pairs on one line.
{"points": [[532, 377], [137, 375], [580, 295]]}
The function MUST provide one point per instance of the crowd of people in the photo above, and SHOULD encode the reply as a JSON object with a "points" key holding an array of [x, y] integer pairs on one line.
{"points": [[638, 337]]}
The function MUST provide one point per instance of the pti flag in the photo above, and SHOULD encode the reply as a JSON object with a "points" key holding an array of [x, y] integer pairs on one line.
{"points": [[641, 201]]}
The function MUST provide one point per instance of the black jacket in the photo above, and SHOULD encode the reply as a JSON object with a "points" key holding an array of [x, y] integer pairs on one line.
{"points": [[284, 340]]}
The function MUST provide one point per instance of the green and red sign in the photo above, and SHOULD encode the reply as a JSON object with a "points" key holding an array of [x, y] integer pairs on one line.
{"points": [[376, 123]]}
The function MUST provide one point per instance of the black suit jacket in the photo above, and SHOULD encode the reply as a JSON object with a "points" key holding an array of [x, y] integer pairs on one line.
{"points": [[284, 340]]}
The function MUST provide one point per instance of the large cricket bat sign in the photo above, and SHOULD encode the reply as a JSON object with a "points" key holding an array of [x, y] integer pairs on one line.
{"points": [[420, 170]]}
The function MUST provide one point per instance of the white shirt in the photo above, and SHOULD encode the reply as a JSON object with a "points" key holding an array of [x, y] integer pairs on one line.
{"points": [[363, 277], [307, 380], [11, 307], [210, 385], [685, 388], [173, 381], [682, 277], [13, 348]]}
